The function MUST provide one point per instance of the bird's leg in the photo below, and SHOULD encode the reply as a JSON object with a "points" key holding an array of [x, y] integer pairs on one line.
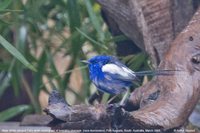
{"points": [[95, 96], [111, 99], [125, 97]]}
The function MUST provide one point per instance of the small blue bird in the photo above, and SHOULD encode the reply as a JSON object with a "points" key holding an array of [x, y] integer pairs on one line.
{"points": [[111, 76]]}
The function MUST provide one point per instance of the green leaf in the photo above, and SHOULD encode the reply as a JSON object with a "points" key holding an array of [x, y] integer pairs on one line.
{"points": [[117, 39], [15, 81], [74, 14], [4, 23], [135, 62], [37, 82], [5, 80], [95, 20], [91, 40], [16, 53], [4, 4], [54, 71], [13, 111], [9, 77], [105, 98], [4, 66]]}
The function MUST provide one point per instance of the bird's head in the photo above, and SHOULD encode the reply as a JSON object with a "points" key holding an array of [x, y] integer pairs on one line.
{"points": [[99, 60]]}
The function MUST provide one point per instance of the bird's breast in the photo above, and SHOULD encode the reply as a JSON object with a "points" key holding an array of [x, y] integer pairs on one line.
{"points": [[95, 72]]}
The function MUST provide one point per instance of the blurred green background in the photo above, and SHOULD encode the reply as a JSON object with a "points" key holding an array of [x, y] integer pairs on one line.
{"points": [[42, 44]]}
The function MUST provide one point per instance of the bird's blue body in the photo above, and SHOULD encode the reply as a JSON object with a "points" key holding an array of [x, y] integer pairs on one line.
{"points": [[109, 74]]}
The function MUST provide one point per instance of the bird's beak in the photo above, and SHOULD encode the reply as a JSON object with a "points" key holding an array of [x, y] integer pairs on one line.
{"points": [[85, 61]]}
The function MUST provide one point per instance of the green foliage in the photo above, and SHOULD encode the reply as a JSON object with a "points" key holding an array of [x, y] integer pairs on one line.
{"points": [[15, 53], [4, 4], [136, 62], [35, 32], [13, 111]]}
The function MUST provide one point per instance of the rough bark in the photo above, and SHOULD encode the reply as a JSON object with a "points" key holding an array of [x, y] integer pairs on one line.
{"points": [[165, 103], [78, 116], [179, 93], [151, 24]]}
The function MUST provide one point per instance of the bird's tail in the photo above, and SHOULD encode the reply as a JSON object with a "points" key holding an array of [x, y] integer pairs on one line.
{"points": [[155, 72]]}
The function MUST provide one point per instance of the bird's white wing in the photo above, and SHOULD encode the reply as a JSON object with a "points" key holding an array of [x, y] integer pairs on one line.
{"points": [[118, 72]]}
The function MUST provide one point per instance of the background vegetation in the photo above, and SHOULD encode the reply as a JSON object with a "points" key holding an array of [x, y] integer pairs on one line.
{"points": [[42, 44]]}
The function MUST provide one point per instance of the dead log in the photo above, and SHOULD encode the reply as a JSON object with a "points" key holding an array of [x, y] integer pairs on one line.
{"points": [[78, 116], [36, 120]]}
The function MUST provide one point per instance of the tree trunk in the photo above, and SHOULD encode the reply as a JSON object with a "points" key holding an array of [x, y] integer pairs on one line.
{"points": [[151, 24]]}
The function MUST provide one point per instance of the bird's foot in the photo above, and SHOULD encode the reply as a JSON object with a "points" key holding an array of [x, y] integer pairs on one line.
{"points": [[117, 114]]}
